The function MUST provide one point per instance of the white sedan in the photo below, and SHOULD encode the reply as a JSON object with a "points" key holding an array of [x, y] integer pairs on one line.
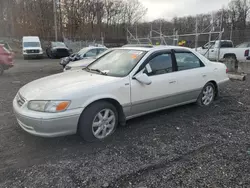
{"points": [[125, 83]]}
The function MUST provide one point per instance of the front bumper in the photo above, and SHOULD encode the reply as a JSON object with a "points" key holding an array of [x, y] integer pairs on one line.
{"points": [[222, 83], [64, 61], [56, 53], [28, 54], [47, 124]]}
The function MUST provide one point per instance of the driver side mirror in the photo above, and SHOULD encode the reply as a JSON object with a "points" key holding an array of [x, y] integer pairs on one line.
{"points": [[143, 78]]}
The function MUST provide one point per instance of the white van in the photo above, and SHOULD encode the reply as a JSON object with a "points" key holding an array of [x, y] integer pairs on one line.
{"points": [[32, 47]]}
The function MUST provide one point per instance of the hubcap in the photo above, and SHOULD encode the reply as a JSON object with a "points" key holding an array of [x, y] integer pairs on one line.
{"points": [[103, 124], [208, 95]]}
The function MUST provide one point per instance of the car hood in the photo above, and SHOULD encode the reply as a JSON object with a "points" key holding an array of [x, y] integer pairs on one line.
{"points": [[60, 86], [81, 63]]}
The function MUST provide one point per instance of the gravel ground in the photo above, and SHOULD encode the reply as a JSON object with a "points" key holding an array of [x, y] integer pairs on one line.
{"points": [[188, 146]]}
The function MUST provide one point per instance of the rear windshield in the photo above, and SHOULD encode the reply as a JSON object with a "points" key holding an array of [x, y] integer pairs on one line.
{"points": [[58, 44], [226, 44], [31, 44]]}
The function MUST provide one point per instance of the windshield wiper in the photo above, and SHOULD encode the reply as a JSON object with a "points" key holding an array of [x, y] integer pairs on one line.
{"points": [[96, 70]]}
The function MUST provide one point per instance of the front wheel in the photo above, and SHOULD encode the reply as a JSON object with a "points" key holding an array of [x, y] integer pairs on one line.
{"points": [[98, 121], [207, 95]]}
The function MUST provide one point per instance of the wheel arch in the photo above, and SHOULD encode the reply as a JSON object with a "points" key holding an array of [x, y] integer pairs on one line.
{"points": [[113, 101], [215, 86], [230, 55]]}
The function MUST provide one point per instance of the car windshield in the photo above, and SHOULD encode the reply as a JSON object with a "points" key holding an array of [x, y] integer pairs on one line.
{"points": [[58, 44], [31, 44], [117, 63], [82, 51]]}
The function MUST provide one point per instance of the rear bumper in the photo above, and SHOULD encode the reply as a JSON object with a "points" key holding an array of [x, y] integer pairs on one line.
{"points": [[223, 82]]}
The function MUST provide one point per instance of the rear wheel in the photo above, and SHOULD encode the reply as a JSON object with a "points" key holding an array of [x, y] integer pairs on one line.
{"points": [[98, 121], [230, 58], [1, 70], [207, 95]]}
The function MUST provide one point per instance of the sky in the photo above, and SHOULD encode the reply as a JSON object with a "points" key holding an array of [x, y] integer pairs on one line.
{"points": [[168, 9]]}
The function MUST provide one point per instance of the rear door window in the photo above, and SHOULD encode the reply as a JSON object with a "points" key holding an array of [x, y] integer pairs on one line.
{"points": [[187, 60]]}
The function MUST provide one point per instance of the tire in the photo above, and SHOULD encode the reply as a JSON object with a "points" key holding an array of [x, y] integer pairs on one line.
{"points": [[94, 114], [1, 70], [230, 58], [207, 95]]}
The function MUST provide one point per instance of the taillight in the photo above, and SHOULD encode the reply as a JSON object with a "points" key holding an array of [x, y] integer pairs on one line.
{"points": [[226, 70], [246, 53]]}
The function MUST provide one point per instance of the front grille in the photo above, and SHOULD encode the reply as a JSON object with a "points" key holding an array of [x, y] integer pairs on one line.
{"points": [[20, 100], [32, 51], [62, 52]]}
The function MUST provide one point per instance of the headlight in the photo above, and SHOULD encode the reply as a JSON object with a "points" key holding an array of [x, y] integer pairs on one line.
{"points": [[48, 106]]}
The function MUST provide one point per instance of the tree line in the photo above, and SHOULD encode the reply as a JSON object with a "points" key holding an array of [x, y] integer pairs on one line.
{"points": [[83, 19], [93, 19]]}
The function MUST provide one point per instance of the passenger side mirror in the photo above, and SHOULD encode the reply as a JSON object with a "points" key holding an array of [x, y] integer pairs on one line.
{"points": [[143, 78]]}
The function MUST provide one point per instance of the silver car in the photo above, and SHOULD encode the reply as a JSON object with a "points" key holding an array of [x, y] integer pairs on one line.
{"points": [[88, 52], [126, 83], [74, 65]]}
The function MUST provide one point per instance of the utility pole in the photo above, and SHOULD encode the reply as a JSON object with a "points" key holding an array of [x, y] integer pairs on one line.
{"points": [[231, 32], [196, 34], [55, 19]]}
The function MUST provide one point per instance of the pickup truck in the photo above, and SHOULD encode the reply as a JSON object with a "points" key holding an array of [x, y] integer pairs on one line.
{"points": [[227, 51]]}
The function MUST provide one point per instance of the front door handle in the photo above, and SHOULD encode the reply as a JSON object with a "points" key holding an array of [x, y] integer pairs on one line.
{"points": [[204, 75], [212, 50], [172, 82]]}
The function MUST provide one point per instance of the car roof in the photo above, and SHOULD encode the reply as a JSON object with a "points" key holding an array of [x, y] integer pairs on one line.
{"points": [[155, 48], [221, 40], [138, 45], [94, 47], [31, 39]]}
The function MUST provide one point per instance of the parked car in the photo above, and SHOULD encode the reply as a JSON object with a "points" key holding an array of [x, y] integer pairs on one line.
{"points": [[244, 45], [227, 51], [57, 50], [82, 54], [125, 83], [32, 47], [74, 65], [6, 59]]}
